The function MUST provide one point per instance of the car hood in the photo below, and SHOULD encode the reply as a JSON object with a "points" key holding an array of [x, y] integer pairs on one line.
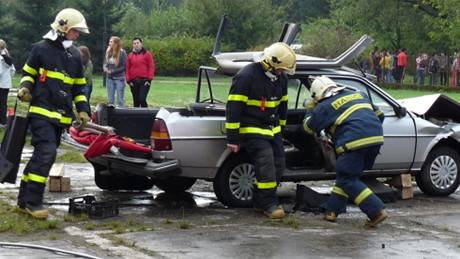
{"points": [[436, 106]]}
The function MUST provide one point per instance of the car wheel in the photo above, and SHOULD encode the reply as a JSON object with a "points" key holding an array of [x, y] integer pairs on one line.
{"points": [[175, 184], [114, 182], [234, 182], [440, 172]]}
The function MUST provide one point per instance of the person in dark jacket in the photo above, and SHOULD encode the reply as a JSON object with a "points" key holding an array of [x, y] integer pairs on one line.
{"points": [[52, 79], [356, 129], [256, 111], [140, 70]]}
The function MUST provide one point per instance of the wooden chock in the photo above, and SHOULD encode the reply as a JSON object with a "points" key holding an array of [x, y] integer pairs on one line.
{"points": [[57, 182], [403, 184]]}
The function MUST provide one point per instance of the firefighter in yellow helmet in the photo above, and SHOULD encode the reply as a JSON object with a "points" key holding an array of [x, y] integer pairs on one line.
{"points": [[52, 82], [255, 113]]}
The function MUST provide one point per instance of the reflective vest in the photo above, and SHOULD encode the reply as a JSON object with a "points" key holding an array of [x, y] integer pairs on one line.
{"points": [[256, 105], [351, 120], [54, 76]]}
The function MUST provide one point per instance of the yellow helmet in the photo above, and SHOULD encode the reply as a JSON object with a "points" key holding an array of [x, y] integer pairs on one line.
{"points": [[280, 56], [69, 18]]}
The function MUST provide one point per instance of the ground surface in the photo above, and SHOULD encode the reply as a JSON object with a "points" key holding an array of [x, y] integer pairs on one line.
{"points": [[195, 225]]}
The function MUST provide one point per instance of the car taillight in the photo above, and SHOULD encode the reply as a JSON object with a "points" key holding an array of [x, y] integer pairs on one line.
{"points": [[160, 137], [94, 117]]}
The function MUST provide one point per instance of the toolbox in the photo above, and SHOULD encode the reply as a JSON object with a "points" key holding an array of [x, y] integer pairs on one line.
{"points": [[94, 209]]}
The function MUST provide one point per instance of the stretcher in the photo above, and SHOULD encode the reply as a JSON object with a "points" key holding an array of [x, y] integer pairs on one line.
{"points": [[103, 140]]}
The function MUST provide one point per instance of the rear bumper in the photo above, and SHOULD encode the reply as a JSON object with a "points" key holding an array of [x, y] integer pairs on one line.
{"points": [[163, 169]]}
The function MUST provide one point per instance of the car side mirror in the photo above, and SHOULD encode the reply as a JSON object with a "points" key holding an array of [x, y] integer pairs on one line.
{"points": [[401, 112]]}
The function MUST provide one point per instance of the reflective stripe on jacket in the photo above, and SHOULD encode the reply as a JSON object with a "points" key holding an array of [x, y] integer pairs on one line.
{"points": [[55, 77], [256, 106], [351, 120]]}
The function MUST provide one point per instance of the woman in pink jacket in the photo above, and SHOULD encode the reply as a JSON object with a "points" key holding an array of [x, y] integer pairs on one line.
{"points": [[140, 70]]}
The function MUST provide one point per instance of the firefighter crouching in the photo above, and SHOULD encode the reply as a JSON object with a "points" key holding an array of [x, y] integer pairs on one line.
{"points": [[256, 112], [356, 129], [52, 80]]}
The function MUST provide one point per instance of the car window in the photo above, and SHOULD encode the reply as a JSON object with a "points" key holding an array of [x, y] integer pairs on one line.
{"points": [[293, 90], [377, 100]]}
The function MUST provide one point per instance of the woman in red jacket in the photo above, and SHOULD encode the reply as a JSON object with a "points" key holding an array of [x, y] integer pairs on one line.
{"points": [[140, 69]]}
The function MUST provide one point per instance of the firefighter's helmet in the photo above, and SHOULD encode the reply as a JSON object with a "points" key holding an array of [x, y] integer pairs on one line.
{"points": [[280, 56], [323, 87], [69, 18]]}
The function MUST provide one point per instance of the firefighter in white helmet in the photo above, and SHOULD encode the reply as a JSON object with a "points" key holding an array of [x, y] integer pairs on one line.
{"points": [[256, 112], [355, 126], [52, 81]]}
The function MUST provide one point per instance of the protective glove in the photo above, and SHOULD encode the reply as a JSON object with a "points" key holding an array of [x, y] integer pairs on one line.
{"points": [[312, 104], [83, 118], [147, 83], [24, 94]]}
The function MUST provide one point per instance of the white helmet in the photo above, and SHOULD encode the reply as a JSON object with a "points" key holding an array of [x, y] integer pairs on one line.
{"points": [[69, 18], [323, 87], [280, 56]]}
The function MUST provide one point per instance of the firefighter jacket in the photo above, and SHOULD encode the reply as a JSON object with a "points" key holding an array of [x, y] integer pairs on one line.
{"points": [[256, 105], [55, 78], [349, 118]]}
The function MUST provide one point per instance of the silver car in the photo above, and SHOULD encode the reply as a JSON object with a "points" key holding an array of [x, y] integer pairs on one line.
{"points": [[421, 137]]}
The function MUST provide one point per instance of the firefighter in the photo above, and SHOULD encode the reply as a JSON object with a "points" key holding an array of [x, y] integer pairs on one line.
{"points": [[355, 127], [52, 79], [256, 112]]}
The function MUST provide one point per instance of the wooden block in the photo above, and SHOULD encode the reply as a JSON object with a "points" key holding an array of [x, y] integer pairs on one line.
{"points": [[405, 193], [57, 169], [54, 183], [401, 181], [59, 184], [65, 184]]}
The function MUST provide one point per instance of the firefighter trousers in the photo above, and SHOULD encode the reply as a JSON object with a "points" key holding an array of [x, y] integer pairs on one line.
{"points": [[268, 158], [349, 168], [45, 140]]}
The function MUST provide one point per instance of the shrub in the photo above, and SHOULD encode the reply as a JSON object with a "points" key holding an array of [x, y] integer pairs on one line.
{"points": [[180, 55]]}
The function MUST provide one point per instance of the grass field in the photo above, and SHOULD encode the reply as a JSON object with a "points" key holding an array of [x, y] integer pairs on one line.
{"points": [[180, 91]]}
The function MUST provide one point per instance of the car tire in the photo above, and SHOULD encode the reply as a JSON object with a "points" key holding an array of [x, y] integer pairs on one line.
{"points": [[175, 184], [233, 184], [440, 172], [113, 182]]}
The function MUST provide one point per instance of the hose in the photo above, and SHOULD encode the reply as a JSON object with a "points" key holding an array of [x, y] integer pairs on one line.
{"points": [[47, 248]]}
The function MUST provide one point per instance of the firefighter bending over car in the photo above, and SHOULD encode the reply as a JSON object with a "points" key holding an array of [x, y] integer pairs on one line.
{"points": [[52, 80], [355, 126], [256, 112]]}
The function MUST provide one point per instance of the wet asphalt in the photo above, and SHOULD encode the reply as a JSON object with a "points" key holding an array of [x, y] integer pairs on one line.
{"points": [[195, 225]]}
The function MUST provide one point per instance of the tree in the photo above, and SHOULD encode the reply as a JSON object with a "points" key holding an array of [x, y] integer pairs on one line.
{"points": [[393, 23], [251, 22], [32, 20], [303, 11], [101, 17]]}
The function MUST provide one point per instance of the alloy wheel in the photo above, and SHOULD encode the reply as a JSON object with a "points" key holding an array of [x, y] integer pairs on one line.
{"points": [[443, 172], [241, 181]]}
